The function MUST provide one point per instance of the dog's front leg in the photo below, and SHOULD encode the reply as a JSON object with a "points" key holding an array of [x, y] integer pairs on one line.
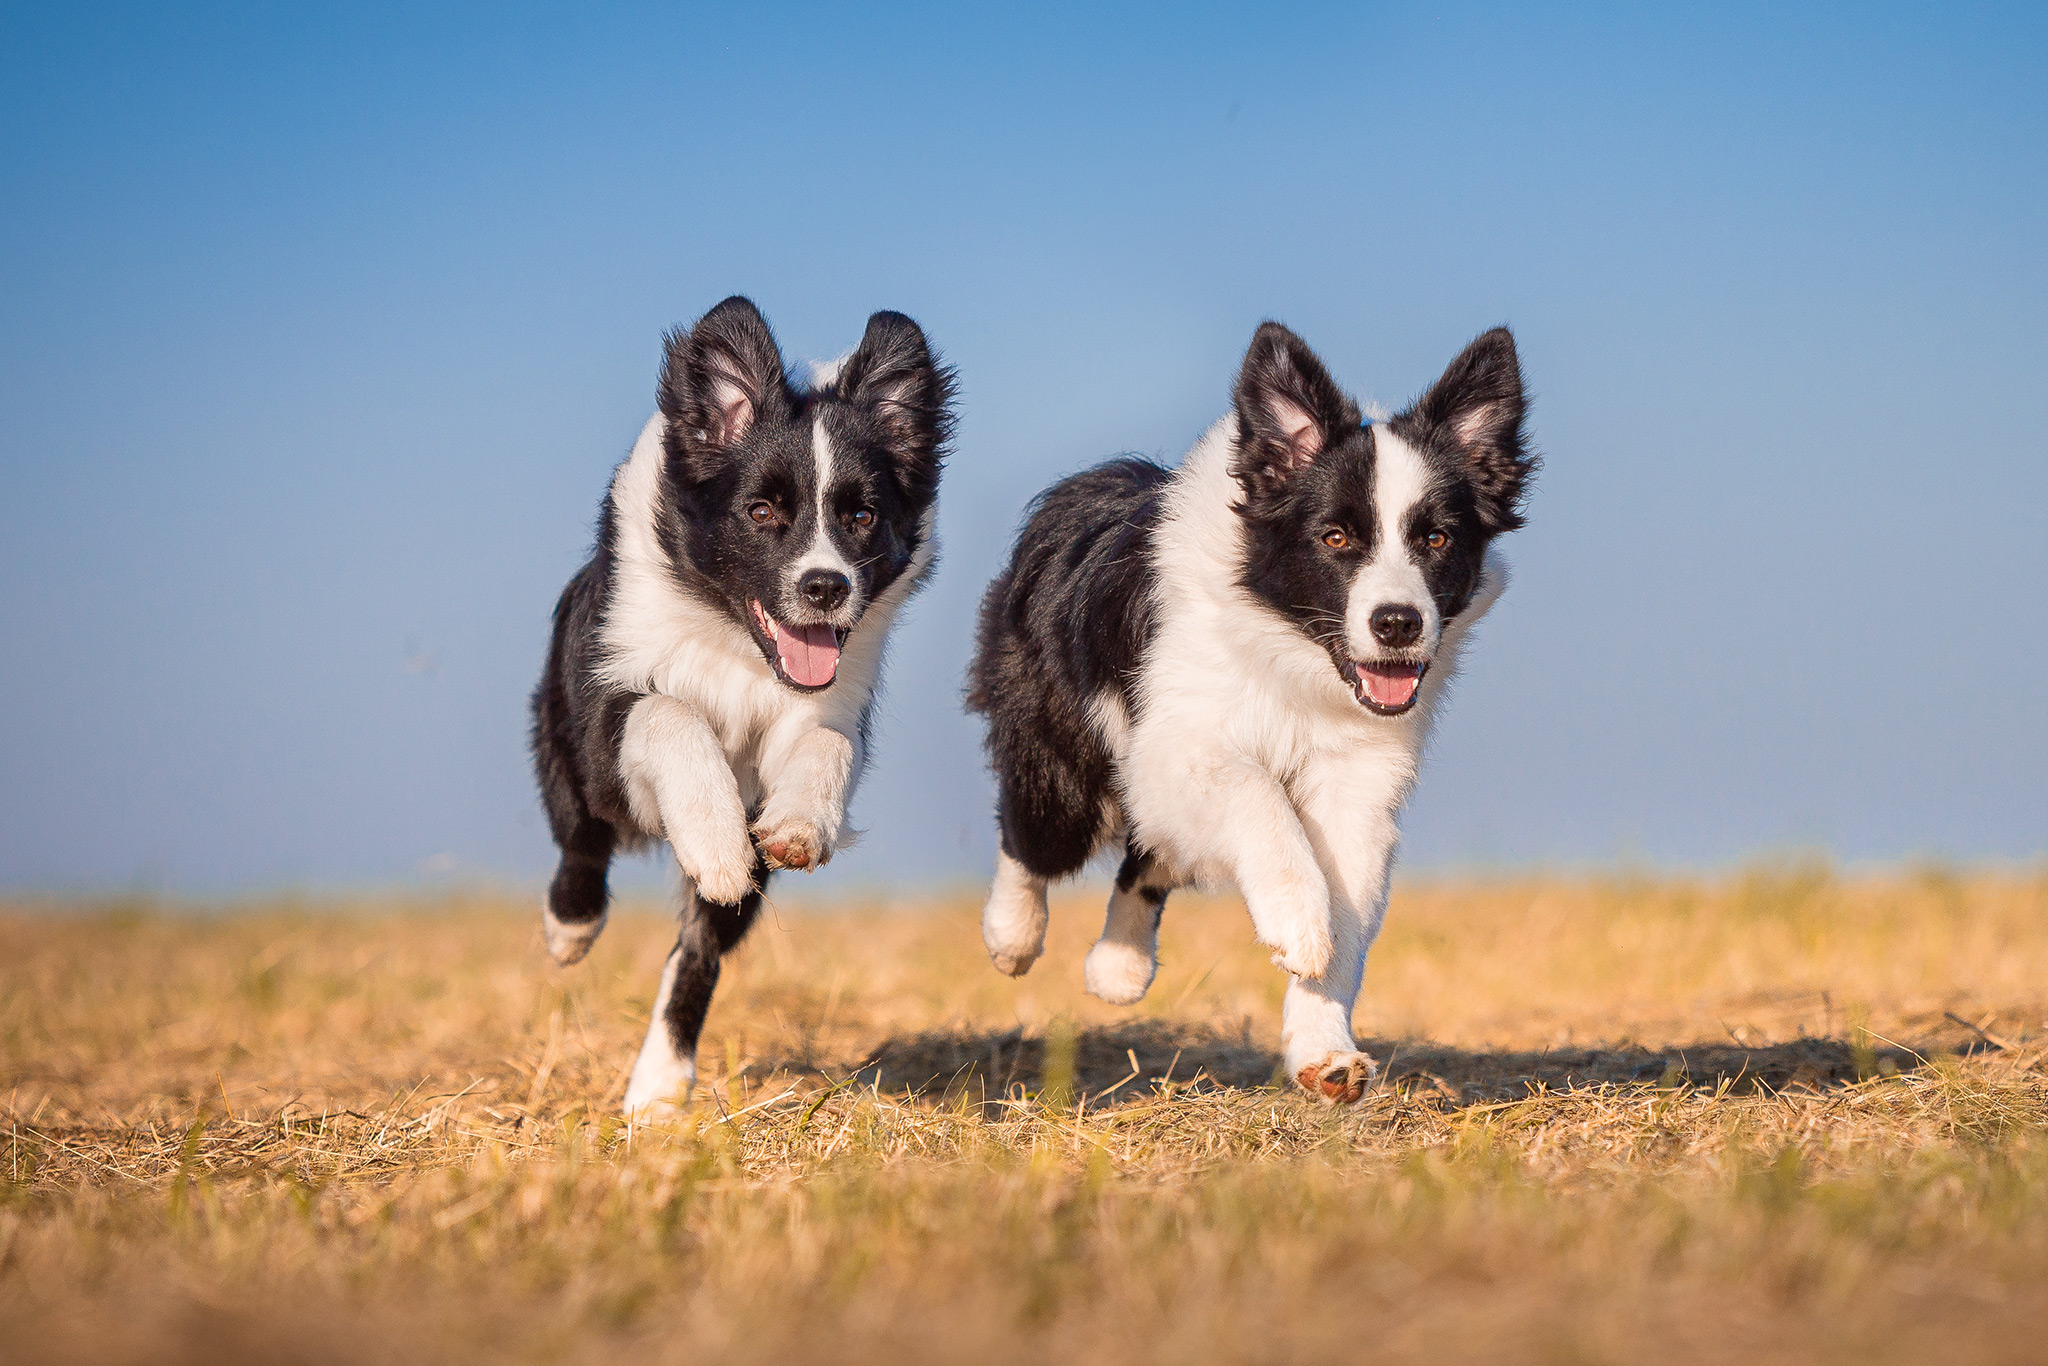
{"points": [[666, 1071], [1231, 811], [806, 780], [679, 782], [1354, 836]]}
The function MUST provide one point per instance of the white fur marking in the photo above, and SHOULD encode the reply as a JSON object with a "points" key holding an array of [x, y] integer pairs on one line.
{"points": [[1391, 578], [1120, 968], [823, 552], [1013, 922], [568, 942], [662, 1080], [1112, 722]]}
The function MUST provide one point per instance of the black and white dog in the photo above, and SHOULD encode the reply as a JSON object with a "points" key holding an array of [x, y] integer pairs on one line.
{"points": [[713, 665], [1232, 667]]}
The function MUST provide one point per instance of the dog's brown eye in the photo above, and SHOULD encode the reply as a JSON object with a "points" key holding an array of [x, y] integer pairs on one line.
{"points": [[1335, 538], [762, 512], [864, 517], [1436, 540]]}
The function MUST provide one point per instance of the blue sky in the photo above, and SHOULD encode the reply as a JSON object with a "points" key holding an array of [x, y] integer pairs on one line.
{"points": [[320, 335]]}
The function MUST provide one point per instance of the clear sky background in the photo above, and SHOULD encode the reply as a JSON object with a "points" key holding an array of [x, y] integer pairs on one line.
{"points": [[319, 335]]}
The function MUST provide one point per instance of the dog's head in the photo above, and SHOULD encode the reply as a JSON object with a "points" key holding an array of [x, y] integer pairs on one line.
{"points": [[797, 506], [1370, 537]]}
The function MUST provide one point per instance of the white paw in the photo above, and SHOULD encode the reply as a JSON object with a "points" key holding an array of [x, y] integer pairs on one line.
{"points": [[660, 1088], [720, 866], [1015, 962], [1118, 973], [568, 942], [652, 1109], [1338, 1078], [1304, 948], [1013, 928], [793, 842]]}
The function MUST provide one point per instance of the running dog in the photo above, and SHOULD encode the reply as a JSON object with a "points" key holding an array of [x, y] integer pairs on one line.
{"points": [[1231, 668], [714, 664]]}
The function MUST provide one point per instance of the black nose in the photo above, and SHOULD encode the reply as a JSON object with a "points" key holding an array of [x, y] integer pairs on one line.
{"points": [[1394, 627], [825, 589]]}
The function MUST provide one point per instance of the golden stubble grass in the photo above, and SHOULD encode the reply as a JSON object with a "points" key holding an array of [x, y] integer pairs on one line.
{"points": [[1788, 1115]]}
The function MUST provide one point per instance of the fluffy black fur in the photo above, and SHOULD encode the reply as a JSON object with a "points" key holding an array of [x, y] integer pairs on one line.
{"points": [[577, 724], [1067, 621]]}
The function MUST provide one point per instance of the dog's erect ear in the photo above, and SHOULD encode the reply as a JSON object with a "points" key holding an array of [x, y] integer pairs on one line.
{"points": [[718, 377], [1288, 409], [1476, 410], [894, 373]]}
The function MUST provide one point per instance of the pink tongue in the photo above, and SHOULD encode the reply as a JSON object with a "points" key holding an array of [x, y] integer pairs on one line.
{"points": [[810, 654], [1391, 687]]}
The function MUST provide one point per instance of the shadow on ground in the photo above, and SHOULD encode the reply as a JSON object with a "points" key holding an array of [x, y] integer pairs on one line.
{"points": [[1119, 1063]]}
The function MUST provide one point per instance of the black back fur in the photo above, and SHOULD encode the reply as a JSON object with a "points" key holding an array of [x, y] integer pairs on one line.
{"points": [[1067, 622]]}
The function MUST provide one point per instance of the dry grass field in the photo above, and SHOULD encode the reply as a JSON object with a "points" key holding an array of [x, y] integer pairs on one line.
{"points": [[1782, 1116]]}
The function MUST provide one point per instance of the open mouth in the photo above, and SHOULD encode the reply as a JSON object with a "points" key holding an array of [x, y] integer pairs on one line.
{"points": [[1385, 689], [807, 656]]}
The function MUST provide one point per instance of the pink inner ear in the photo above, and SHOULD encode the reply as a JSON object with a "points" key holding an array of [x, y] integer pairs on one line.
{"points": [[893, 412], [1302, 434], [1471, 427], [735, 410]]}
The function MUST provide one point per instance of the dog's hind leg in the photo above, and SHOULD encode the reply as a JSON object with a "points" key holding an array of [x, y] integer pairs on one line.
{"points": [[666, 1070], [579, 896], [574, 912], [1120, 967], [1052, 813], [1014, 920]]}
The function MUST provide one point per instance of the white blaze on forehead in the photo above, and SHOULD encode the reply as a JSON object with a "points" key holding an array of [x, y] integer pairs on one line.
{"points": [[1391, 578], [1400, 480], [823, 552]]}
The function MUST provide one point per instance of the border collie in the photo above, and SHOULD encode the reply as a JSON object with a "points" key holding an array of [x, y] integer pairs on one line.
{"points": [[713, 665], [1232, 667]]}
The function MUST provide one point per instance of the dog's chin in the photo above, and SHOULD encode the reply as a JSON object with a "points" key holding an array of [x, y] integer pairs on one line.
{"points": [[1383, 687], [805, 657]]}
